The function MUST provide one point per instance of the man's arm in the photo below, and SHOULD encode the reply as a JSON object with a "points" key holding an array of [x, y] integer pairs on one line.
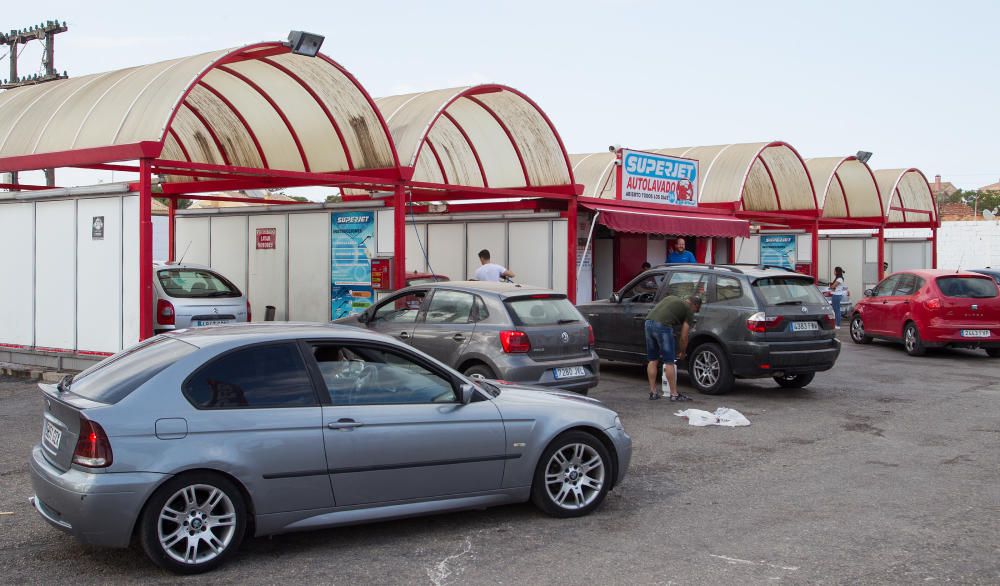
{"points": [[682, 350], [507, 274]]}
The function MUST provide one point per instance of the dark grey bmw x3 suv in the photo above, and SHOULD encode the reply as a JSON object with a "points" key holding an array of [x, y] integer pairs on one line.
{"points": [[755, 322]]}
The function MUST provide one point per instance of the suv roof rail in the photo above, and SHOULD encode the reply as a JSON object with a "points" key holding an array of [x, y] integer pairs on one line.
{"points": [[700, 265]]}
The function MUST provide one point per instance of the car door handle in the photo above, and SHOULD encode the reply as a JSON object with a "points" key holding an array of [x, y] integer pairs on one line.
{"points": [[591, 315], [404, 335], [458, 338], [344, 424]]}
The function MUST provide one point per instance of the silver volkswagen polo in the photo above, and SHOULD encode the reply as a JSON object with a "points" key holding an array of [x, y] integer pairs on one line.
{"points": [[190, 441]]}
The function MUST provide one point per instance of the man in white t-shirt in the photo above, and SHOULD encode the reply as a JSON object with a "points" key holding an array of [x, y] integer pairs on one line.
{"points": [[490, 271]]}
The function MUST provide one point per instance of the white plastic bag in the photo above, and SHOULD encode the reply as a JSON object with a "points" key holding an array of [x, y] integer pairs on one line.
{"points": [[723, 416]]}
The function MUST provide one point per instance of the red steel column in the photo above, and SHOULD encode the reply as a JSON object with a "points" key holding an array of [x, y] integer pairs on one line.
{"points": [[145, 250], [815, 250], [571, 250], [881, 253], [399, 236], [934, 255], [171, 227]]}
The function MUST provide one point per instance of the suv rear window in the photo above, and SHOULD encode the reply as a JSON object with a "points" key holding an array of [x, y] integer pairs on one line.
{"points": [[973, 287], [788, 291], [195, 283], [114, 379], [542, 310]]}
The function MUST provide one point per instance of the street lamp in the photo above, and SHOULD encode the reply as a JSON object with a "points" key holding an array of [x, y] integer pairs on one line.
{"points": [[303, 43]]}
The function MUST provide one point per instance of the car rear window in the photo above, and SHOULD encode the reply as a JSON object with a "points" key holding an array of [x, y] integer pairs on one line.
{"points": [[113, 379], [972, 287], [542, 310], [788, 291], [195, 283]]}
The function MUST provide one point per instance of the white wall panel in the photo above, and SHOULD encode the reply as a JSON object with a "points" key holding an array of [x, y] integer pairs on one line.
{"points": [[748, 250], [656, 251], [803, 248], [229, 248], [193, 240], [269, 268], [848, 254], [604, 266], [17, 267], [446, 249], [824, 257], [384, 233], [416, 236], [309, 267], [908, 255], [560, 250], [161, 237], [55, 266], [489, 235], [130, 270], [530, 252], [99, 276]]}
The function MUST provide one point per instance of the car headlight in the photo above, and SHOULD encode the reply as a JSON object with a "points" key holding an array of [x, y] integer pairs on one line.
{"points": [[618, 424]]}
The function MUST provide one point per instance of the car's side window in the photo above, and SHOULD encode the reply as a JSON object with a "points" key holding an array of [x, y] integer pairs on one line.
{"points": [[272, 375], [907, 285], [401, 309], [450, 307], [644, 291], [479, 310], [886, 287], [370, 375], [684, 285], [727, 289]]}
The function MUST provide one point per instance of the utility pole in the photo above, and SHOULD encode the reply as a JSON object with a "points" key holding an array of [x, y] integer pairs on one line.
{"points": [[46, 33]]}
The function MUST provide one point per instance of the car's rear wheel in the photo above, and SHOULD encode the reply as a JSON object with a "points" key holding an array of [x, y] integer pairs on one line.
{"points": [[993, 352], [479, 371], [911, 340], [193, 523], [710, 371], [573, 475], [858, 331], [795, 381]]}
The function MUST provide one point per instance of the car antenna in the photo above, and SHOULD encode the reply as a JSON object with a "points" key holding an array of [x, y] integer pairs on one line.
{"points": [[188, 247]]}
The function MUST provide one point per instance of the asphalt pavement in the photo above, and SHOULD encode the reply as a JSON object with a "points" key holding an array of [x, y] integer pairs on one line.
{"points": [[884, 470]]}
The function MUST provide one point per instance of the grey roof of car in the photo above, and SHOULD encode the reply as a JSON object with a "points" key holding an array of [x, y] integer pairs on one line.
{"points": [[267, 331], [751, 270], [498, 288]]}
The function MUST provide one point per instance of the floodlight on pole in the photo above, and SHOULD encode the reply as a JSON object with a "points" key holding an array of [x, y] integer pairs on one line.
{"points": [[305, 44], [863, 156]]}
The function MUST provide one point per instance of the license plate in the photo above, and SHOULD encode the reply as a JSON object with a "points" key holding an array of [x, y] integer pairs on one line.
{"points": [[805, 326], [212, 322], [975, 333], [51, 435], [570, 372]]}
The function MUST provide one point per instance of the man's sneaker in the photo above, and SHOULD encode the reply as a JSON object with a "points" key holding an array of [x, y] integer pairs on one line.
{"points": [[679, 397]]}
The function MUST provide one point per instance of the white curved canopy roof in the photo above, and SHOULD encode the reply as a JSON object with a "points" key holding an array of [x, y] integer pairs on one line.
{"points": [[906, 196], [257, 106], [845, 187], [479, 136], [760, 177]]}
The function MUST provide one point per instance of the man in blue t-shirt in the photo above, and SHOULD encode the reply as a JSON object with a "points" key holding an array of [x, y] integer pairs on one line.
{"points": [[679, 253]]}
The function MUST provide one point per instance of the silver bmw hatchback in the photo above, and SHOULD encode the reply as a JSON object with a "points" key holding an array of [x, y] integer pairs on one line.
{"points": [[190, 441]]}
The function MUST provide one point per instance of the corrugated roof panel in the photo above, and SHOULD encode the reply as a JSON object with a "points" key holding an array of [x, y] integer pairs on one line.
{"points": [[455, 153], [906, 196], [495, 150], [845, 187]]}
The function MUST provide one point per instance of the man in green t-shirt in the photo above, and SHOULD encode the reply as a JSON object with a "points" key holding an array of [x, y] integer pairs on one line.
{"points": [[668, 315]]}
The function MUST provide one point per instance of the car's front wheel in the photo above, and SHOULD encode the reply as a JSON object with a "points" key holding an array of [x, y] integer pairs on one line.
{"points": [[573, 475], [858, 335], [479, 371], [795, 381], [912, 342], [710, 371], [193, 523]]}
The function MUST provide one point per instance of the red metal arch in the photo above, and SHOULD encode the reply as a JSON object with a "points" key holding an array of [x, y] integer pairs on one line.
{"points": [[777, 195], [932, 213], [847, 205]]}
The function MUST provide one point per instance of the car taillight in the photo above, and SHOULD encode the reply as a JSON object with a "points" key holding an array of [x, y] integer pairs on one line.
{"points": [[165, 312], [249, 315], [829, 322], [514, 341], [933, 303], [761, 323], [591, 340], [93, 449]]}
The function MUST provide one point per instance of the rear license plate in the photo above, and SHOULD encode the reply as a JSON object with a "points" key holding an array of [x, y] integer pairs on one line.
{"points": [[212, 322], [569, 372], [975, 333], [804, 326], [51, 435]]}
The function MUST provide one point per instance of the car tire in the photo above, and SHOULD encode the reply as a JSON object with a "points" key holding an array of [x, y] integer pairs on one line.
{"points": [[480, 370], [709, 370], [993, 352], [911, 340], [795, 381], [858, 330], [185, 505], [573, 476]]}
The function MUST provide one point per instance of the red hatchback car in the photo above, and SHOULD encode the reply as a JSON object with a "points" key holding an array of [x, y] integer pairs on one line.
{"points": [[931, 309]]}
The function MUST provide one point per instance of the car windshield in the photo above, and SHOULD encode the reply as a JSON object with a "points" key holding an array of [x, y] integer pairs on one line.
{"points": [[788, 290], [191, 283], [543, 310], [112, 380], [971, 287]]}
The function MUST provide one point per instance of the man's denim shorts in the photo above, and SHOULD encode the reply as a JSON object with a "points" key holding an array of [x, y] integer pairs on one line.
{"points": [[660, 342]]}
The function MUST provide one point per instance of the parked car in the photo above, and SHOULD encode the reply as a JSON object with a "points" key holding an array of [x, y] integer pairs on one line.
{"points": [[755, 322], [931, 309], [190, 441], [416, 278], [995, 273], [190, 295], [495, 330], [846, 305]]}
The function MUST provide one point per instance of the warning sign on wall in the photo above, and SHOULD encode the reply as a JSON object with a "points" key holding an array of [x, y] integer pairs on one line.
{"points": [[267, 238]]}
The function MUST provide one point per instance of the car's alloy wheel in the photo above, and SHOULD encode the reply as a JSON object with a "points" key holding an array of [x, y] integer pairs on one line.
{"points": [[573, 475], [709, 369], [858, 331], [193, 522], [706, 369], [911, 340]]}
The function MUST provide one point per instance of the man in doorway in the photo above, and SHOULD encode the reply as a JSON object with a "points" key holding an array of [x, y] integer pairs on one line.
{"points": [[490, 271], [680, 253], [670, 313]]}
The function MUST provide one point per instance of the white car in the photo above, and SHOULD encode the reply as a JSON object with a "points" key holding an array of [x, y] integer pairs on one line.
{"points": [[188, 295], [846, 305]]}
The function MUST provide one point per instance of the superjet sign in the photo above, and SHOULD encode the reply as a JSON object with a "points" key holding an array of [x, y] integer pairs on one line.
{"points": [[654, 178]]}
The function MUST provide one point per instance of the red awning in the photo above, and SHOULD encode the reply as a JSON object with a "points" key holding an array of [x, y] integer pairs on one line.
{"points": [[670, 222]]}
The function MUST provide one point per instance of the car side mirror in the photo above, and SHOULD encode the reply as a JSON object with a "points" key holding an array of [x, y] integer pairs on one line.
{"points": [[615, 298], [869, 292], [365, 316], [466, 392]]}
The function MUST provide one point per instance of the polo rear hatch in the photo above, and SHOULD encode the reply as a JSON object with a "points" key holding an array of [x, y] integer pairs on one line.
{"points": [[548, 327], [793, 310]]}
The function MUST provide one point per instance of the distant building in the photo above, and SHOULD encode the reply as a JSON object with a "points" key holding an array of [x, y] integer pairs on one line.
{"points": [[990, 187], [942, 189], [956, 212]]}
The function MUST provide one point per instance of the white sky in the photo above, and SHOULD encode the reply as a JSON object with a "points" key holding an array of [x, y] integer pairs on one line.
{"points": [[914, 82]]}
